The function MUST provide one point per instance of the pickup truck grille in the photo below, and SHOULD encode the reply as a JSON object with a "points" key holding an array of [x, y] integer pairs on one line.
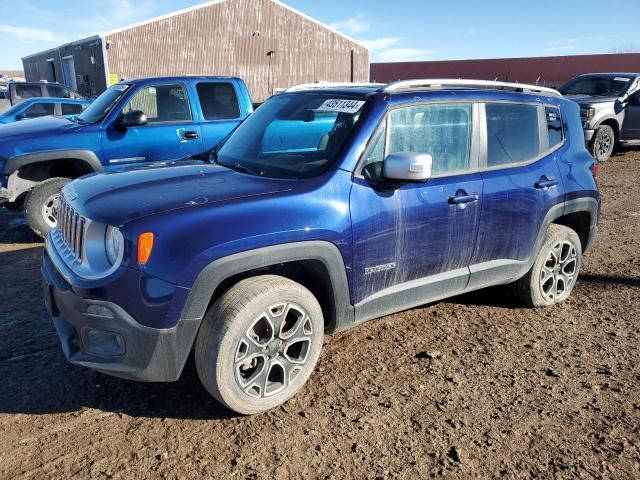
{"points": [[72, 228]]}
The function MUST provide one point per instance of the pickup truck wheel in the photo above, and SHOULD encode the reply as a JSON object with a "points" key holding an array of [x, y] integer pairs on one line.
{"points": [[555, 270], [603, 143], [41, 205], [259, 343]]}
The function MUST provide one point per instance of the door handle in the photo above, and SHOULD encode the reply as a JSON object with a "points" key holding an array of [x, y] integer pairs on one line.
{"points": [[545, 184], [462, 199], [190, 135]]}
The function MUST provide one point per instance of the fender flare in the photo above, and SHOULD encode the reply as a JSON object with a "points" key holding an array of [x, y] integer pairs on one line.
{"points": [[606, 118], [87, 156], [212, 276]]}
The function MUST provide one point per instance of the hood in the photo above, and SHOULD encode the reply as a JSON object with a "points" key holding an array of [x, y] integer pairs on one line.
{"points": [[37, 127], [589, 99], [116, 198]]}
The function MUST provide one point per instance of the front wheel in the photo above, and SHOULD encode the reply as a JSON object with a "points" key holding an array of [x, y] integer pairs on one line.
{"points": [[555, 270], [603, 143], [41, 205], [259, 343]]}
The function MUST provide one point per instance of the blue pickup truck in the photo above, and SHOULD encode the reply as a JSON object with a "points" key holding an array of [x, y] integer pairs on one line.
{"points": [[132, 123]]}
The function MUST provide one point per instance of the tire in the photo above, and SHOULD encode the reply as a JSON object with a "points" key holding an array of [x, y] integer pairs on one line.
{"points": [[238, 364], [603, 143], [41, 203], [555, 270]]}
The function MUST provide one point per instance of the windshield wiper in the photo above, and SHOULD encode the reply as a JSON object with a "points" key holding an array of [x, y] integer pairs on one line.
{"points": [[242, 168]]}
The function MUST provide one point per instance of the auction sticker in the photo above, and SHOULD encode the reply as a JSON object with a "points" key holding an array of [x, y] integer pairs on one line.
{"points": [[340, 105]]}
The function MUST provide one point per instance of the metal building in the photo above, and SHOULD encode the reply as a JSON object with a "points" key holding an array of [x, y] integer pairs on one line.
{"points": [[267, 43], [550, 71]]}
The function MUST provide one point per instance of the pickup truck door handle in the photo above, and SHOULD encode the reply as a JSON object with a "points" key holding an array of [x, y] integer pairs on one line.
{"points": [[544, 183], [462, 198], [189, 135]]}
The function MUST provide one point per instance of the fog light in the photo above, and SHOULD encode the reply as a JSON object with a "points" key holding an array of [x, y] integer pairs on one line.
{"points": [[101, 342]]}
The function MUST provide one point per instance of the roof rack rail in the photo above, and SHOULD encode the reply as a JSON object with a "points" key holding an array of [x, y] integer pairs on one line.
{"points": [[452, 82], [310, 86]]}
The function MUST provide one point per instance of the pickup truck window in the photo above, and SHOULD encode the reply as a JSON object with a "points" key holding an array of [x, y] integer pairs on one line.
{"points": [[443, 131], [161, 103], [28, 91], [101, 106], [58, 92], [39, 110], [597, 86], [218, 101], [71, 108], [292, 136], [512, 133]]}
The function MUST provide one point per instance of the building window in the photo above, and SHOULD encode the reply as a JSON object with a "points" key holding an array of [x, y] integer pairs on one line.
{"points": [[218, 101]]}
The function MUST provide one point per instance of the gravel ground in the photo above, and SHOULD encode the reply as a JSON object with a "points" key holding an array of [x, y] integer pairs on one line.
{"points": [[471, 387]]}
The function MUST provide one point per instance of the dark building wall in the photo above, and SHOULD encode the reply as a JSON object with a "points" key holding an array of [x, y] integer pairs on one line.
{"points": [[233, 38], [553, 71], [88, 65]]}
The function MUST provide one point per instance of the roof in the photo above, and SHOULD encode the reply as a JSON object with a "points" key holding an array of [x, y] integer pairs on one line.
{"points": [[600, 74], [216, 2]]}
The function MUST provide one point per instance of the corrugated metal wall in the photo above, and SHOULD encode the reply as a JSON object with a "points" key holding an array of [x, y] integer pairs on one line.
{"points": [[233, 38], [554, 71]]}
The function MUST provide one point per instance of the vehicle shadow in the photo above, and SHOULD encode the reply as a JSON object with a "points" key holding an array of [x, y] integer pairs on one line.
{"points": [[500, 296], [14, 228], [37, 379], [611, 280]]}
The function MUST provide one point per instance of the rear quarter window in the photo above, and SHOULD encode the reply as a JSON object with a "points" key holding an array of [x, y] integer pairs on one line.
{"points": [[554, 126], [218, 101], [28, 91]]}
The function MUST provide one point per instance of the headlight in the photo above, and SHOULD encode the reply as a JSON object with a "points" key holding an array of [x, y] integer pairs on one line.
{"points": [[587, 114], [114, 244]]}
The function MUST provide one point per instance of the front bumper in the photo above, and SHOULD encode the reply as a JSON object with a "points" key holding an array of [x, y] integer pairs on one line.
{"points": [[102, 336], [588, 135]]}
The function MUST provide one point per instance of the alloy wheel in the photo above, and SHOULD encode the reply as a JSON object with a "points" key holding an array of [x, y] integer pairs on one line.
{"points": [[559, 270], [50, 210], [273, 350]]}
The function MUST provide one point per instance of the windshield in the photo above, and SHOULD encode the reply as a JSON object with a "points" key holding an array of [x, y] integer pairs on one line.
{"points": [[597, 86], [102, 105], [292, 136]]}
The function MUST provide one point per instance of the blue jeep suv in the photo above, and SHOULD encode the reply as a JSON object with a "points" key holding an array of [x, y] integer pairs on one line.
{"points": [[329, 206]]}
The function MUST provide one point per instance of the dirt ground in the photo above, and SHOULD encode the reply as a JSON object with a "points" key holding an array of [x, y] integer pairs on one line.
{"points": [[470, 387]]}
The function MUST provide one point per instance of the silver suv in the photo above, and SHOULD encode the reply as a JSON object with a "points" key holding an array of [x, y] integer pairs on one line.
{"points": [[610, 110]]}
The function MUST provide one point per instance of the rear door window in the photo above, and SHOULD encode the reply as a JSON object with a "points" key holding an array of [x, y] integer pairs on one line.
{"points": [[513, 134], [71, 108], [218, 101]]}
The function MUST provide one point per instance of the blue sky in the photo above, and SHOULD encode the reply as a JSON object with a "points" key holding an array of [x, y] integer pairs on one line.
{"points": [[394, 30]]}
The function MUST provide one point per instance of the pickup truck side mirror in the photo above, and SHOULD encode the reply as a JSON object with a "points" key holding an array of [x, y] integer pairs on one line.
{"points": [[21, 116], [134, 118], [407, 167], [635, 99]]}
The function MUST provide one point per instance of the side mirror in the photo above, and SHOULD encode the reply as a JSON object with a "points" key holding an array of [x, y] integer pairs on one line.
{"points": [[21, 116], [407, 167], [134, 118], [635, 99]]}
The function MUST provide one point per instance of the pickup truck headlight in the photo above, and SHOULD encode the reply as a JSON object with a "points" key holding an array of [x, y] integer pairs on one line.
{"points": [[587, 114], [114, 244]]}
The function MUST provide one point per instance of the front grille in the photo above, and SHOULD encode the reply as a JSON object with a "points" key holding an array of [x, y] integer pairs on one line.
{"points": [[72, 228]]}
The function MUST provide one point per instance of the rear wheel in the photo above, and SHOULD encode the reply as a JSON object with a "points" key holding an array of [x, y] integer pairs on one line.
{"points": [[603, 143], [259, 343], [555, 270], [41, 205]]}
